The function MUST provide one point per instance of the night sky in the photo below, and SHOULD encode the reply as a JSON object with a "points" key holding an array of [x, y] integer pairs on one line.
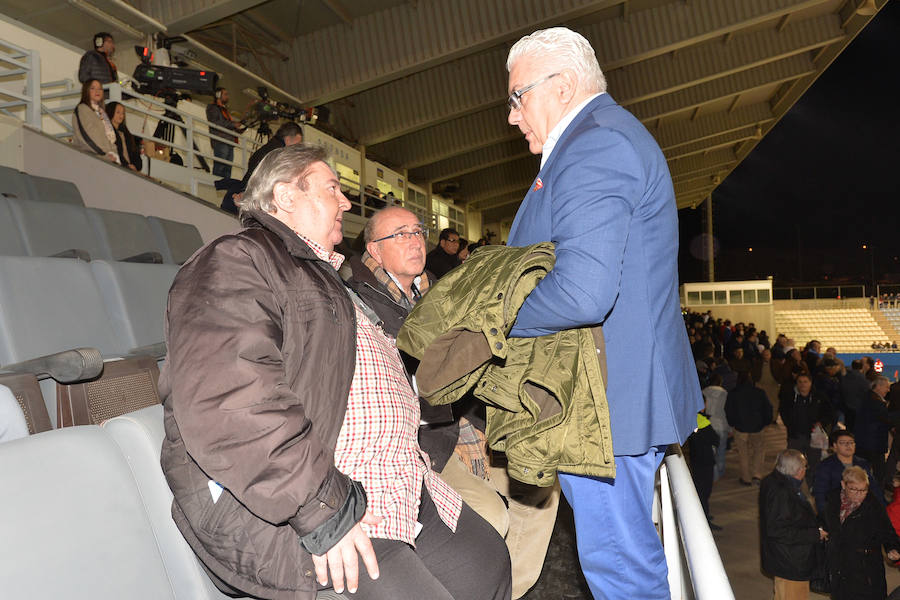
{"points": [[822, 183]]}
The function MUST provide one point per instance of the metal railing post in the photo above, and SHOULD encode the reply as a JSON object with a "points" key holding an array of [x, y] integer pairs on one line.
{"points": [[33, 89], [189, 143]]}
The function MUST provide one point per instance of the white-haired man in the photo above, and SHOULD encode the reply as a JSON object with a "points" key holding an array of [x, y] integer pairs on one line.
{"points": [[605, 198]]}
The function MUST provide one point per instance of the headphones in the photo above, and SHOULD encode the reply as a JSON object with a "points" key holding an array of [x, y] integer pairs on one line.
{"points": [[100, 38], [219, 94]]}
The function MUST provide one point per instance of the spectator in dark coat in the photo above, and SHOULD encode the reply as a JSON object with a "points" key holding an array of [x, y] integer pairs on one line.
{"points": [[858, 528], [702, 449], [854, 390], [873, 423], [829, 471], [97, 63], [788, 529], [443, 258], [801, 411], [828, 385], [748, 411], [739, 363]]}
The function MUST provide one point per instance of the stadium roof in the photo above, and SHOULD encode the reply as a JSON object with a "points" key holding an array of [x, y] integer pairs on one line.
{"points": [[421, 84]]}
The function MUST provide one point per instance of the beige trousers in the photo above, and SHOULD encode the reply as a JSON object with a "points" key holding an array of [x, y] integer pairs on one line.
{"points": [[785, 589], [751, 454], [527, 525]]}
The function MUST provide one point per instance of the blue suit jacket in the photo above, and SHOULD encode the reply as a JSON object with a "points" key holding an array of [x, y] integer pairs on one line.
{"points": [[605, 198]]}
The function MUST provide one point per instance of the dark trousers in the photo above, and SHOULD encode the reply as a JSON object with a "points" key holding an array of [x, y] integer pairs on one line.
{"points": [[876, 461], [471, 564], [813, 456], [225, 151], [703, 481]]}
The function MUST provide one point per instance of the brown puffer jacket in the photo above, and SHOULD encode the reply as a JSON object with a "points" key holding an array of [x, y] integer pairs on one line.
{"points": [[261, 352]]}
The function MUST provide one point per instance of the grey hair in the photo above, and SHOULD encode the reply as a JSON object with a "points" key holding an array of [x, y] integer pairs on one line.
{"points": [[789, 462], [561, 48], [880, 379], [372, 223], [284, 165]]}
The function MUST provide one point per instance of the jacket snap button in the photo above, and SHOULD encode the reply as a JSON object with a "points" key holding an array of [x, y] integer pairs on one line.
{"points": [[540, 475], [493, 331], [307, 573], [499, 345], [322, 505], [525, 469], [493, 388], [500, 296]]}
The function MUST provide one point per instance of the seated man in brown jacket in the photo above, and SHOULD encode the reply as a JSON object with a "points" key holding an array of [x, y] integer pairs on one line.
{"points": [[290, 424]]}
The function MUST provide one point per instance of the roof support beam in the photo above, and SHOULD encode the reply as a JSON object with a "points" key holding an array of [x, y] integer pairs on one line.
{"points": [[182, 19], [486, 158], [685, 166], [338, 61], [712, 125], [691, 78]]}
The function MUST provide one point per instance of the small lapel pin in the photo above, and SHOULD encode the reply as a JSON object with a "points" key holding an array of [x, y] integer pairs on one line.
{"points": [[538, 184]]}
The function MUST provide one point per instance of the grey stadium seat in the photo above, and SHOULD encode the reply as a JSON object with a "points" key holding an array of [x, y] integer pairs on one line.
{"points": [[179, 240], [50, 228], [46, 189], [134, 296], [11, 243], [74, 522], [49, 305], [140, 435], [15, 184], [12, 420], [124, 235]]}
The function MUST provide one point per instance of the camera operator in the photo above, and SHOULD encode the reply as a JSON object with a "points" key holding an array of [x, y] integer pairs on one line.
{"points": [[287, 135], [97, 63], [217, 113]]}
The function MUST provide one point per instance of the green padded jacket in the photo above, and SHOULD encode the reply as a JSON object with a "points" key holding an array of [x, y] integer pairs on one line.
{"points": [[545, 396]]}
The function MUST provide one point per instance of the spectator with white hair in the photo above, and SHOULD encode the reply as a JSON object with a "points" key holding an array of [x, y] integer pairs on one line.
{"points": [[788, 528], [605, 198]]}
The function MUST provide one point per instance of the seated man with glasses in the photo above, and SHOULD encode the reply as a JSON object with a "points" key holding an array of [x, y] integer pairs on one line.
{"points": [[828, 472]]}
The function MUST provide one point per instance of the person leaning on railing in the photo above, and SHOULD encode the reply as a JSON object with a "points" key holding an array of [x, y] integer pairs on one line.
{"points": [[92, 131]]}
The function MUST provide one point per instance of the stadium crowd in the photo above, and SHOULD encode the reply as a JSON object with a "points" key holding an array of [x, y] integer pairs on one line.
{"points": [[843, 442]]}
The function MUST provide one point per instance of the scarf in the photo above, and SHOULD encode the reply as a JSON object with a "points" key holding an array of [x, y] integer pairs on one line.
{"points": [[848, 505], [418, 288], [107, 124]]}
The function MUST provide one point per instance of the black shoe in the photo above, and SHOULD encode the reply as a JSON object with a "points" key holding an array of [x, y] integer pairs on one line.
{"points": [[745, 483]]}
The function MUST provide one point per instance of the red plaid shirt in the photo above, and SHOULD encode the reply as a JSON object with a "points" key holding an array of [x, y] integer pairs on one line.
{"points": [[378, 443]]}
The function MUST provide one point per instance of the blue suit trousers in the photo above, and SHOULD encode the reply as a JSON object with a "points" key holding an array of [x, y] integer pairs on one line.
{"points": [[620, 551]]}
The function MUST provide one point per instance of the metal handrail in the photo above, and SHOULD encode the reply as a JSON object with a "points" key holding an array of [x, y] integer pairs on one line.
{"points": [[695, 567]]}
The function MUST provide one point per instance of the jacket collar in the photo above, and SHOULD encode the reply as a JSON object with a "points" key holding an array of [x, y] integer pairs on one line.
{"points": [[601, 101], [263, 220]]}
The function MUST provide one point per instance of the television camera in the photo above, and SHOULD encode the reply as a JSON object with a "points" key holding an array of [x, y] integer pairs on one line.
{"points": [[265, 110]]}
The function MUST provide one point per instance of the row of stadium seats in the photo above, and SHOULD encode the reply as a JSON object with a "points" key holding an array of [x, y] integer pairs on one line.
{"points": [[88, 511], [848, 330], [16, 184], [39, 228]]}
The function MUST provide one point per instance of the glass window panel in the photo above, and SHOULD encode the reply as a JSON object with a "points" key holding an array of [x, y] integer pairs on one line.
{"points": [[734, 297], [721, 296], [706, 297], [762, 296], [693, 297], [749, 296]]}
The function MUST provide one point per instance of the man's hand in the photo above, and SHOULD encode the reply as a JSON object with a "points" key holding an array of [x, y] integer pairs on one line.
{"points": [[823, 535], [894, 555], [341, 559]]}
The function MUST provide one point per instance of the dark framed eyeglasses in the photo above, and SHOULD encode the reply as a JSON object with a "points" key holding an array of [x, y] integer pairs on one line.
{"points": [[406, 236], [515, 99]]}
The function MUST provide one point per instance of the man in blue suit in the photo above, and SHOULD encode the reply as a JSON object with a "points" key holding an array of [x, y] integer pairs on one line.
{"points": [[604, 197]]}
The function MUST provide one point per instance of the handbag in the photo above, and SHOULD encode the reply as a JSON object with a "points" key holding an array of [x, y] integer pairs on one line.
{"points": [[820, 579]]}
